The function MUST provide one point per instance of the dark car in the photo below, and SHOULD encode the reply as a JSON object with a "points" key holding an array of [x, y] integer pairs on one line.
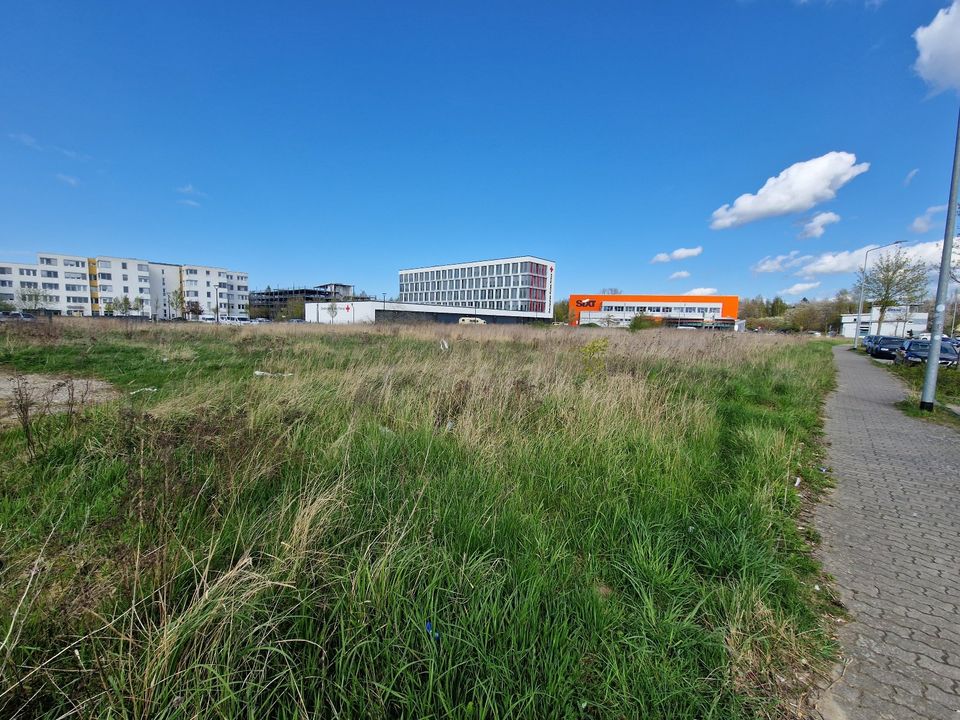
{"points": [[912, 352], [867, 342], [885, 348]]}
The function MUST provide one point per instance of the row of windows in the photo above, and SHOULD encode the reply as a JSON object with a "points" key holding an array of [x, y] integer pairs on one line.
{"points": [[108, 264], [66, 263], [491, 269], [444, 296], [608, 307], [126, 289], [474, 283]]}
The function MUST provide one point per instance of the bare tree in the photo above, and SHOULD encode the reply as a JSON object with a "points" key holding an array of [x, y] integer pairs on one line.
{"points": [[178, 303], [32, 299], [893, 280]]}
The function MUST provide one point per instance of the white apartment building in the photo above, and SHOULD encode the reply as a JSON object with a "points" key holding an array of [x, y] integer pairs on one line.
{"points": [[117, 283], [165, 283], [102, 285], [219, 292], [522, 285]]}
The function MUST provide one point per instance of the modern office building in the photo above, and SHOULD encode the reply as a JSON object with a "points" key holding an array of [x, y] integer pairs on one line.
{"points": [[105, 285], [521, 286], [700, 311]]}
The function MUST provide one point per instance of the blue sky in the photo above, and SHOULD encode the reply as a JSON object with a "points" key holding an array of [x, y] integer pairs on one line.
{"points": [[313, 142]]}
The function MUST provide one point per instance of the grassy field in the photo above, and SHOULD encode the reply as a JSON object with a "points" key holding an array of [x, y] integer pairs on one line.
{"points": [[529, 523]]}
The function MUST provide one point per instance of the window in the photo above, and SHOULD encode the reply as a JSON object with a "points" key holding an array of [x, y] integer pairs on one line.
{"points": [[106, 276], [105, 264], [143, 280], [123, 266], [143, 267], [6, 283], [126, 289], [6, 271], [25, 284], [51, 286], [106, 288], [73, 263], [48, 261], [76, 299], [74, 276], [75, 288], [191, 271], [6, 296], [28, 272], [49, 273]]}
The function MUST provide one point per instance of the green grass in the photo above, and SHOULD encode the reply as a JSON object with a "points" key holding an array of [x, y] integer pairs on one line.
{"points": [[603, 536], [948, 381]]}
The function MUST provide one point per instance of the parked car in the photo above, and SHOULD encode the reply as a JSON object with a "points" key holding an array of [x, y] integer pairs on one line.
{"points": [[867, 342], [912, 352], [885, 348], [16, 316], [295, 320]]}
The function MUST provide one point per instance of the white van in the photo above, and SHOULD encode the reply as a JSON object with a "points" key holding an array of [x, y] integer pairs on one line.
{"points": [[472, 321]]}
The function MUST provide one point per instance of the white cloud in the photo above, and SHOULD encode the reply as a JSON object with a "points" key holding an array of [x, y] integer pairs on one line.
{"points": [[68, 179], [678, 254], [814, 228], [680, 275], [938, 49], [910, 176], [189, 189], [31, 142], [781, 263], [850, 261], [799, 288], [923, 223], [188, 202], [796, 189], [843, 261], [701, 291]]}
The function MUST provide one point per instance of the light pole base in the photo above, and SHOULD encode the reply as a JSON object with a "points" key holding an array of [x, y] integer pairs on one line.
{"points": [[927, 406]]}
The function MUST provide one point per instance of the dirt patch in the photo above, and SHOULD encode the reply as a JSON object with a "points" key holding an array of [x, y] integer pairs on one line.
{"points": [[46, 394]]}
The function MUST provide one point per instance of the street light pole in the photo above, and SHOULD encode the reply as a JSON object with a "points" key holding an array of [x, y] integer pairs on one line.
{"points": [[856, 330], [943, 285]]}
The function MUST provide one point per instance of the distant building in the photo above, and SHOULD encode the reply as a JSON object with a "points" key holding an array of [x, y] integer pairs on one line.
{"points": [[105, 285], [521, 286], [897, 322], [701, 311], [273, 302]]}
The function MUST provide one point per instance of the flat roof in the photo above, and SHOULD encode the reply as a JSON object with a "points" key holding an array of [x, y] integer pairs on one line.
{"points": [[472, 262]]}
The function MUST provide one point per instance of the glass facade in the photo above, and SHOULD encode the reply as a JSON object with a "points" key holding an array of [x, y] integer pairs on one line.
{"points": [[507, 284]]}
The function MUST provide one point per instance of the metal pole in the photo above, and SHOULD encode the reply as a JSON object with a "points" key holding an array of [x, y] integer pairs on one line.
{"points": [[856, 332], [943, 284]]}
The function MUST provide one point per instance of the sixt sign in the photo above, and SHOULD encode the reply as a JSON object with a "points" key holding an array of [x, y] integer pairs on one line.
{"points": [[586, 303]]}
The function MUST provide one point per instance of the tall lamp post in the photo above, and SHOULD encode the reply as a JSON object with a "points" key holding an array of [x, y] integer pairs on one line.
{"points": [[943, 285], [856, 331]]}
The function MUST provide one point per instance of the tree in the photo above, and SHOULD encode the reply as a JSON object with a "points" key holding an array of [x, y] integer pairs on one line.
{"points": [[295, 308], [178, 303], [7, 306], [31, 299], [640, 321], [137, 306], [561, 311], [895, 279], [753, 308], [108, 308], [776, 307], [193, 308], [122, 306]]}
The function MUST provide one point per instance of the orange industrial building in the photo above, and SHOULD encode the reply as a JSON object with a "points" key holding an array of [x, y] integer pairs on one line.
{"points": [[701, 311]]}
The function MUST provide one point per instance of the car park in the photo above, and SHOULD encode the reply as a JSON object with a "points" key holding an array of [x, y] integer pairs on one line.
{"points": [[913, 352], [885, 347]]}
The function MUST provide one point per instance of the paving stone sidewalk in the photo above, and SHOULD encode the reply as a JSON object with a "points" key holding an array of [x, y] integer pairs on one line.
{"points": [[891, 538]]}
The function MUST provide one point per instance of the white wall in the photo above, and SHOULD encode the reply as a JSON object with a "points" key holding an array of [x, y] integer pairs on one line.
{"points": [[346, 312]]}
